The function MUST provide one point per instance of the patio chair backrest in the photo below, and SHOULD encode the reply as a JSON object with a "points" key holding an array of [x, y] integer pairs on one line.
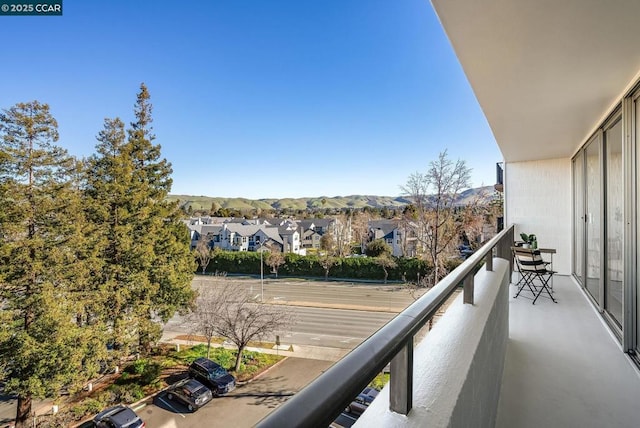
{"points": [[529, 259]]}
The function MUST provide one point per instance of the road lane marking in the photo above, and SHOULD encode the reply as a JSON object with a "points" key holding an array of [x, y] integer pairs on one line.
{"points": [[171, 407]]}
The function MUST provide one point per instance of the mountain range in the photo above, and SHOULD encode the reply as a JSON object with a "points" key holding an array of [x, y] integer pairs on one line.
{"points": [[321, 202]]}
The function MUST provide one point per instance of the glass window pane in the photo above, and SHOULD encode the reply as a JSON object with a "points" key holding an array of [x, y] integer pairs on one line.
{"points": [[614, 225], [592, 224], [578, 217]]}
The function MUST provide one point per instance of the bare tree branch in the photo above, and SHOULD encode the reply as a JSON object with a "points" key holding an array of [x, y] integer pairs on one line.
{"points": [[230, 312], [203, 253], [433, 195]]}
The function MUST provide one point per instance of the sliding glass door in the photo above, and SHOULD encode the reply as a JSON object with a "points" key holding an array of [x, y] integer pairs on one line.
{"points": [[598, 222]]}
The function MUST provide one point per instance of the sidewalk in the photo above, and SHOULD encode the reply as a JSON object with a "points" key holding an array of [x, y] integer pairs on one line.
{"points": [[299, 351]]}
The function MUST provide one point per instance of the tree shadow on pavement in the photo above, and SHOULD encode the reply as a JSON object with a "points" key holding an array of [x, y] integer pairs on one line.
{"points": [[269, 399], [266, 392]]}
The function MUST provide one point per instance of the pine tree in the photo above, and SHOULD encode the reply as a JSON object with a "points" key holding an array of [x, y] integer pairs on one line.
{"points": [[43, 347], [148, 265], [110, 210]]}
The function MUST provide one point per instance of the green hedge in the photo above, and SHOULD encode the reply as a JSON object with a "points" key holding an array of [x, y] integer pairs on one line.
{"points": [[238, 262], [235, 262]]}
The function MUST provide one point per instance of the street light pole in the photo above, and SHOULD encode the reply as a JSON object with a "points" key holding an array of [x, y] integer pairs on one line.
{"points": [[261, 278]]}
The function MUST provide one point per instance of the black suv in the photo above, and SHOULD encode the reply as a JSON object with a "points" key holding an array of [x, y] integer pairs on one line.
{"points": [[212, 375]]}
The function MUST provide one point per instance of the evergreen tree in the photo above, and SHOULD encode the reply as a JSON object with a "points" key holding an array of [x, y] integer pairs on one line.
{"points": [[109, 209], [43, 263], [148, 265]]}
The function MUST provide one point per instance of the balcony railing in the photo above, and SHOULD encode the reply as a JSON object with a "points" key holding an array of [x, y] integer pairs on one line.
{"points": [[325, 398]]}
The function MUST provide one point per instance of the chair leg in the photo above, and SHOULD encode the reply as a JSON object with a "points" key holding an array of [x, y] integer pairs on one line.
{"points": [[544, 286], [527, 281]]}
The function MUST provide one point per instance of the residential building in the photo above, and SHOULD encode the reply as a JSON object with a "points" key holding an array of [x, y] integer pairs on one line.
{"points": [[400, 235], [389, 231], [310, 239], [290, 238], [247, 235], [311, 230]]}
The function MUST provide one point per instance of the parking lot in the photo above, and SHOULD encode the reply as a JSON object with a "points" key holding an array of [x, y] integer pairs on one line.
{"points": [[243, 407]]}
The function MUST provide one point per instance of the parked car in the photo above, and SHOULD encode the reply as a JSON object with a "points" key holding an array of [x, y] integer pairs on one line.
{"points": [[118, 417], [192, 393], [212, 375], [465, 251], [362, 401]]}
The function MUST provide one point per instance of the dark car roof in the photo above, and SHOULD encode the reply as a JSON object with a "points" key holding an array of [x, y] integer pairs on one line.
{"points": [[368, 394], [372, 392], [206, 363], [193, 385], [120, 415]]}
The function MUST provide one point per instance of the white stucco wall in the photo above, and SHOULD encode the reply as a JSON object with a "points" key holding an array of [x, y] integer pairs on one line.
{"points": [[458, 366], [538, 200]]}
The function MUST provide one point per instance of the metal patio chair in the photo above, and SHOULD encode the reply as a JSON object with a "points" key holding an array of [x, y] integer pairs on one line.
{"points": [[534, 273]]}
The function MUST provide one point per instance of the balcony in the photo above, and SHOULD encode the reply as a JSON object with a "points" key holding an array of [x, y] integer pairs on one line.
{"points": [[563, 366], [497, 362]]}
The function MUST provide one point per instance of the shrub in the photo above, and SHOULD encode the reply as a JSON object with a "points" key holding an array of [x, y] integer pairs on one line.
{"points": [[224, 357], [151, 373], [107, 398], [78, 411], [380, 381], [126, 393], [377, 248], [139, 366], [88, 406], [132, 394]]}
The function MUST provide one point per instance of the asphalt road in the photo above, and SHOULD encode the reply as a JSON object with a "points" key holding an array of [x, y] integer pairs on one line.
{"points": [[333, 328], [365, 308], [244, 406], [344, 295]]}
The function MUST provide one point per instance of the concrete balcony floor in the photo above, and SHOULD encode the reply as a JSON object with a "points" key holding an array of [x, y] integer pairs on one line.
{"points": [[563, 367]]}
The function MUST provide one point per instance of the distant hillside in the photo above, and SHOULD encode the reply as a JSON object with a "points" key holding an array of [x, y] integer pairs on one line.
{"points": [[337, 202]]}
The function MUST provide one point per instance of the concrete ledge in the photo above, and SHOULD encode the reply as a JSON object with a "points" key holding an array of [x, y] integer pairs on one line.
{"points": [[458, 366]]}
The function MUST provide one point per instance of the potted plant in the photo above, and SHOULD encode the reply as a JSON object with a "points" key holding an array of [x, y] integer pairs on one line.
{"points": [[530, 241]]}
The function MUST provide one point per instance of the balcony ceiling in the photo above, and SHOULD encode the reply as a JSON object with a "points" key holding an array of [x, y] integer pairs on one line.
{"points": [[545, 72]]}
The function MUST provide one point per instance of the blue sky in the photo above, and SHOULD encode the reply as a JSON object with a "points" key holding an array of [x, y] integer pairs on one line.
{"points": [[258, 99]]}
